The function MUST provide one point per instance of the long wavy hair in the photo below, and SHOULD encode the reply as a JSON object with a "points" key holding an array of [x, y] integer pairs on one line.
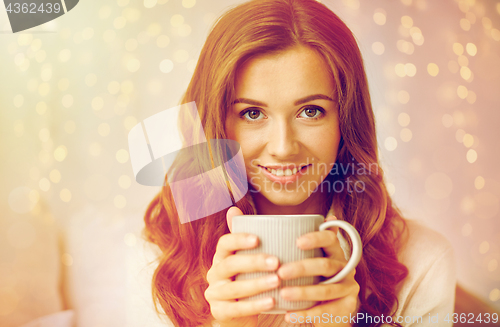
{"points": [[268, 27]]}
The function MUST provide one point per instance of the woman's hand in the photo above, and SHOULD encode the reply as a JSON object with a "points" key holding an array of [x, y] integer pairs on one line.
{"points": [[337, 299], [223, 292]]}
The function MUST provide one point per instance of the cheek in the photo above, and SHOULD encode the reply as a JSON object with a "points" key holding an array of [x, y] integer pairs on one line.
{"points": [[333, 145], [244, 139], [249, 139], [324, 143], [249, 148]]}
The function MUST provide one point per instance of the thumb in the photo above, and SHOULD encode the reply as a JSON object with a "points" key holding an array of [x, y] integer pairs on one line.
{"points": [[332, 217], [233, 211]]}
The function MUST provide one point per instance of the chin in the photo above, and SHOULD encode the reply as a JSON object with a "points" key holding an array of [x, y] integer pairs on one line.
{"points": [[285, 200]]}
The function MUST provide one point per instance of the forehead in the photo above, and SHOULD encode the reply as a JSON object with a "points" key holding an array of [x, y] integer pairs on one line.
{"points": [[293, 73]]}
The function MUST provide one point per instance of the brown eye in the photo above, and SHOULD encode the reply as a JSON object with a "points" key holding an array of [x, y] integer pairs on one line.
{"points": [[311, 112], [252, 114]]}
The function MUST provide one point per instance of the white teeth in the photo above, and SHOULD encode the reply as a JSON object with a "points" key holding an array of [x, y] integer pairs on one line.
{"points": [[283, 172]]}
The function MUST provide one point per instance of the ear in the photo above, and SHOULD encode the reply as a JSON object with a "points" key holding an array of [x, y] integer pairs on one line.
{"points": [[233, 211]]}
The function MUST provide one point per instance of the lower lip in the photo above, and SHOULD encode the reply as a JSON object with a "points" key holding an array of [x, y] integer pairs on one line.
{"points": [[284, 179]]}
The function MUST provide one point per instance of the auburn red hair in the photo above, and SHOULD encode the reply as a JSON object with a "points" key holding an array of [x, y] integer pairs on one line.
{"points": [[262, 27]]}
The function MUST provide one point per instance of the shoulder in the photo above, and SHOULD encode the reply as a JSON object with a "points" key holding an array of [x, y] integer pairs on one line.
{"points": [[429, 287], [422, 244]]}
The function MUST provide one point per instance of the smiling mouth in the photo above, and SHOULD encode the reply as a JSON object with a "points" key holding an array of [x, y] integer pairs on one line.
{"points": [[285, 172]]}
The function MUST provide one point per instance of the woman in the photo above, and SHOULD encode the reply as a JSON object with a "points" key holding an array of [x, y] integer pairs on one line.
{"points": [[285, 79]]}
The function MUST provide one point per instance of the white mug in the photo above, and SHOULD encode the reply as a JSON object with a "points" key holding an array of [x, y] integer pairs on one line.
{"points": [[277, 236]]}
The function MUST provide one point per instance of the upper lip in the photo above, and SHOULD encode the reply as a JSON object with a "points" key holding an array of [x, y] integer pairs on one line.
{"points": [[289, 166]]}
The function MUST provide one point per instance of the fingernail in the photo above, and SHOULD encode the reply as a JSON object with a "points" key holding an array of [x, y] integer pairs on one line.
{"points": [[273, 280], [267, 303], [303, 242], [272, 262], [251, 240]]}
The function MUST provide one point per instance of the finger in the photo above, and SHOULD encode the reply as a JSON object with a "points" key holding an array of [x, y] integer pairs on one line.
{"points": [[318, 239], [315, 240], [233, 211], [229, 243], [223, 310], [338, 252], [321, 292], [332, 217], [327, 240], [325, 267], [243, 263], [225, 291]]}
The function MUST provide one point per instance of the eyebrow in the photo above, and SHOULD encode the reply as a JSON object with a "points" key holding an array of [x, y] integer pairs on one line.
{"points": [[296, 103]]}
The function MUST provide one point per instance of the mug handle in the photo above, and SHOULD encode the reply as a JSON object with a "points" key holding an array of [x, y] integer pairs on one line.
{"points": [[356, 248]]}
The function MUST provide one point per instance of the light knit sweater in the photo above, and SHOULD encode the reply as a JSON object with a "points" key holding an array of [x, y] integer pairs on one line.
{"points": [[427, 295]]}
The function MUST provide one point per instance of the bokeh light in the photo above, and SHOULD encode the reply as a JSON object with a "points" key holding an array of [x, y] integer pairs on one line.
{"points": [[119, 201], [166, 66], [378, 48], [379, 17], [403, 119], [124, 181], [492, 265], [494, 295], [403, 97], [122, 156], [471, 49], [65, 195], [406, 135], [188, 3], [466, 229], [479, 182], [60, 153], [471, 156], [407, 21], [130, 239], [177, 20], [484, 247], [55, 176], [447, 120], [66, 259], [432, 69], [390, 143]]}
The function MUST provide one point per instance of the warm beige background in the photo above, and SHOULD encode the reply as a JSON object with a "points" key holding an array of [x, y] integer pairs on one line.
{"points": [[70, 91]]}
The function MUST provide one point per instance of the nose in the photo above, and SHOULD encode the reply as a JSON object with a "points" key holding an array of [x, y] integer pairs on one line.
{"points": [[282, 143]]}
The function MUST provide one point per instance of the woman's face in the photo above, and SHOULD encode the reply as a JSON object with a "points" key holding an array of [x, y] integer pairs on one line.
{"points": [[286, 120]]}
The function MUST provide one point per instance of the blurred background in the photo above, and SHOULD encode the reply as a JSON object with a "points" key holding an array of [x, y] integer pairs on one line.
{"points": [[71, 213]]}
